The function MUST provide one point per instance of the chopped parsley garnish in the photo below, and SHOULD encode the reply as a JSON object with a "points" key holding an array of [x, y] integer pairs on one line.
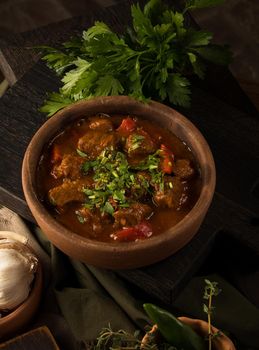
{"points": [[114, 178], [136, 141], [80, 153]]}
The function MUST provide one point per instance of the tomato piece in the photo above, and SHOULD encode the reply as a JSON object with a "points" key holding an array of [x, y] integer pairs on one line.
{"points": [[129, 234], [127, 126], [167, 159], [56, 154]]}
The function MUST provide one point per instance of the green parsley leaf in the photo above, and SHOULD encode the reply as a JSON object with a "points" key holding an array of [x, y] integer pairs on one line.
{"points": [[178, 90], [55, 102], [56, 59], [108, 85], [108, 208], [72, 77], [215, 54], [82, 154], [197, 64], [136, 141], [98, 28], [197, 38]]}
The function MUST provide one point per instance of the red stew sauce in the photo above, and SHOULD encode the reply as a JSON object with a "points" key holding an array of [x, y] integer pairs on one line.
{"points": [[118, 178]]}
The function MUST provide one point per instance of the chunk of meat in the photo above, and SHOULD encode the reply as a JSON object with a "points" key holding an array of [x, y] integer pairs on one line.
{"points": [[139, 143], [141, 184], [131, 216], [69, 191], [183, 169], [172, 196], [70, 167], [94, 219], [95, 141], [101, 123]]}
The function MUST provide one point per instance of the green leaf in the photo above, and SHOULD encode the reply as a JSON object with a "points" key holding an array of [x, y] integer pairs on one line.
{"points": [[198, 4], [108, 85], [57, 60], [108, 208], [215, 54], [80, 153], [178, 90], [55, 102], [153, 10], [98, 28], [72, 77], [176, 19], [197, 65], [197, 38], [152, 6], [83, 88], [141, 24]]}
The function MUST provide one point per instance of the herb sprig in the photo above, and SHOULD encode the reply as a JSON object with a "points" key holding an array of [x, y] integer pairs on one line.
{"points": [[211, 290], [153, 58], [122, 340]]}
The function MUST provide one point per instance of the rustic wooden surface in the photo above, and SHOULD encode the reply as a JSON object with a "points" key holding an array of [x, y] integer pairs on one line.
{"points": [[39, 338], [219, 109]]}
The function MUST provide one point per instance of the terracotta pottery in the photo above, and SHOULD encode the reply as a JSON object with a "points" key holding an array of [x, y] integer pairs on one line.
{"points": [[21, 316], [120, 255]]}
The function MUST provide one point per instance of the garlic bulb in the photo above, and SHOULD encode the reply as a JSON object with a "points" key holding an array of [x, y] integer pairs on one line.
{"points": [[17, 268]]}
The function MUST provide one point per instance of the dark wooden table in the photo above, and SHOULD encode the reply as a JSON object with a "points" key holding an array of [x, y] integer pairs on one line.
{"points": [[220, 109]]}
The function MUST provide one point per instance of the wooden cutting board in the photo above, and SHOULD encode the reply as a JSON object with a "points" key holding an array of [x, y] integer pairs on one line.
{"points": [[37, 339]]}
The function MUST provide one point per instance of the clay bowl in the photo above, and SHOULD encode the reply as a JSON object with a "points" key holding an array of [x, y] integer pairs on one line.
{"points": [[132, 254], [22, 315]]}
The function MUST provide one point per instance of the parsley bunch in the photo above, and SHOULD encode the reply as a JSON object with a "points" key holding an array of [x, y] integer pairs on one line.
{"points": [[154, 58]]}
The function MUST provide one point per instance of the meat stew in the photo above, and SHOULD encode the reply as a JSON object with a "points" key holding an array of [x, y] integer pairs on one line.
{"points": [[117, 178]]}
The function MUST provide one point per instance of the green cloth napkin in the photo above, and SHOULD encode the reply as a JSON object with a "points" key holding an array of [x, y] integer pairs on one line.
{"points": [[91, 299]]}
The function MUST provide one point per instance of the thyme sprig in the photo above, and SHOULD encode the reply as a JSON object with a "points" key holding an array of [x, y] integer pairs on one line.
{"points": [[123, 340], [211, 290]]}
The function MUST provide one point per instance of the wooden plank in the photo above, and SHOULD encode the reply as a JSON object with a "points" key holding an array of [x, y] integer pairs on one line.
{"points": [[39, 338], [166, 279], [17, 53]]}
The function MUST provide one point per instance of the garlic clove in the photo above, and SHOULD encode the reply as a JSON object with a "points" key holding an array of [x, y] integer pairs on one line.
{"points": [[13, 236], [17, 268]]}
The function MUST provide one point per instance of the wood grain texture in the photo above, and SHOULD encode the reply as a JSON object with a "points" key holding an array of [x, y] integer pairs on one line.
{"points": [[39, 338]]}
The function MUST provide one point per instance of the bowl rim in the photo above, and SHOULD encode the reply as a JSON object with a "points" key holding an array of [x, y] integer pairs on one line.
{"points": [[207, 190]]}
